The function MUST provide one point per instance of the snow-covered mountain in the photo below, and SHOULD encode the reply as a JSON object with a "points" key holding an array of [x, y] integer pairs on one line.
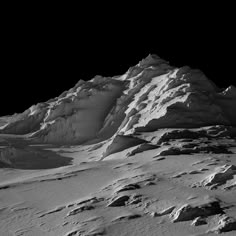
{"points": [[150, 152], [149, 96]]}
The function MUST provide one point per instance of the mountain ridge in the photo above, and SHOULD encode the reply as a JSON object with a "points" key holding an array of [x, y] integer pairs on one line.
{"points": [[149, 96]]}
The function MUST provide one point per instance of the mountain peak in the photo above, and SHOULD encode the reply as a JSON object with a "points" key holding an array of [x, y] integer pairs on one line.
{"points": [[152, 60]]}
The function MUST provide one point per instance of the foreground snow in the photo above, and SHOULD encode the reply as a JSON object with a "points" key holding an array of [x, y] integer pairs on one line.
{"points": [[151, 152]]}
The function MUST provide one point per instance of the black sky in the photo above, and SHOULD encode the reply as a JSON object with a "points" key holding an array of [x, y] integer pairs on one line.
{"points": [[44, 55]]}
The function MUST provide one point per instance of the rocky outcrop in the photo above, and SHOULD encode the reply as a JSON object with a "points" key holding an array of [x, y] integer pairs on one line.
{"points": [[190, 212], [225, 224], [199, 221], [118, 201], [220, 176]]}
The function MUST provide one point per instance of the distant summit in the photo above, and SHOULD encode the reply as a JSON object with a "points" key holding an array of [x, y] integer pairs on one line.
{"points": [[152, 60]]}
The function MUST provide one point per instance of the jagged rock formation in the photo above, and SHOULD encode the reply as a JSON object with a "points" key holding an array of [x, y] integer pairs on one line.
{"points": [[220, 176], [188, 212], [149, 96], [225, 224]]}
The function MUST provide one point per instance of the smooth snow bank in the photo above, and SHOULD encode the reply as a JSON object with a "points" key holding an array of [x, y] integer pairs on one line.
{"points": [[149, 96]]}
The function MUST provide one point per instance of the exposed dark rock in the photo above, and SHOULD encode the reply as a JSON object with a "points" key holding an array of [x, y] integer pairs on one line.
{"points": [[166, 211], [181, 134], [179, 175], [221, 176], [128, 187], [194, 172], [142, 148], [118, 201], [213, 149], [195, 149], [80, 209], [189, 212], [226, 224], [135, 199], [199, 221], [190, 145], [159, 158], [128, 217]]}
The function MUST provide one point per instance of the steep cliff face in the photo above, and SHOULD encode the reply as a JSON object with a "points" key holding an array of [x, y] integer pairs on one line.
{"points": [[149, 96]]}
